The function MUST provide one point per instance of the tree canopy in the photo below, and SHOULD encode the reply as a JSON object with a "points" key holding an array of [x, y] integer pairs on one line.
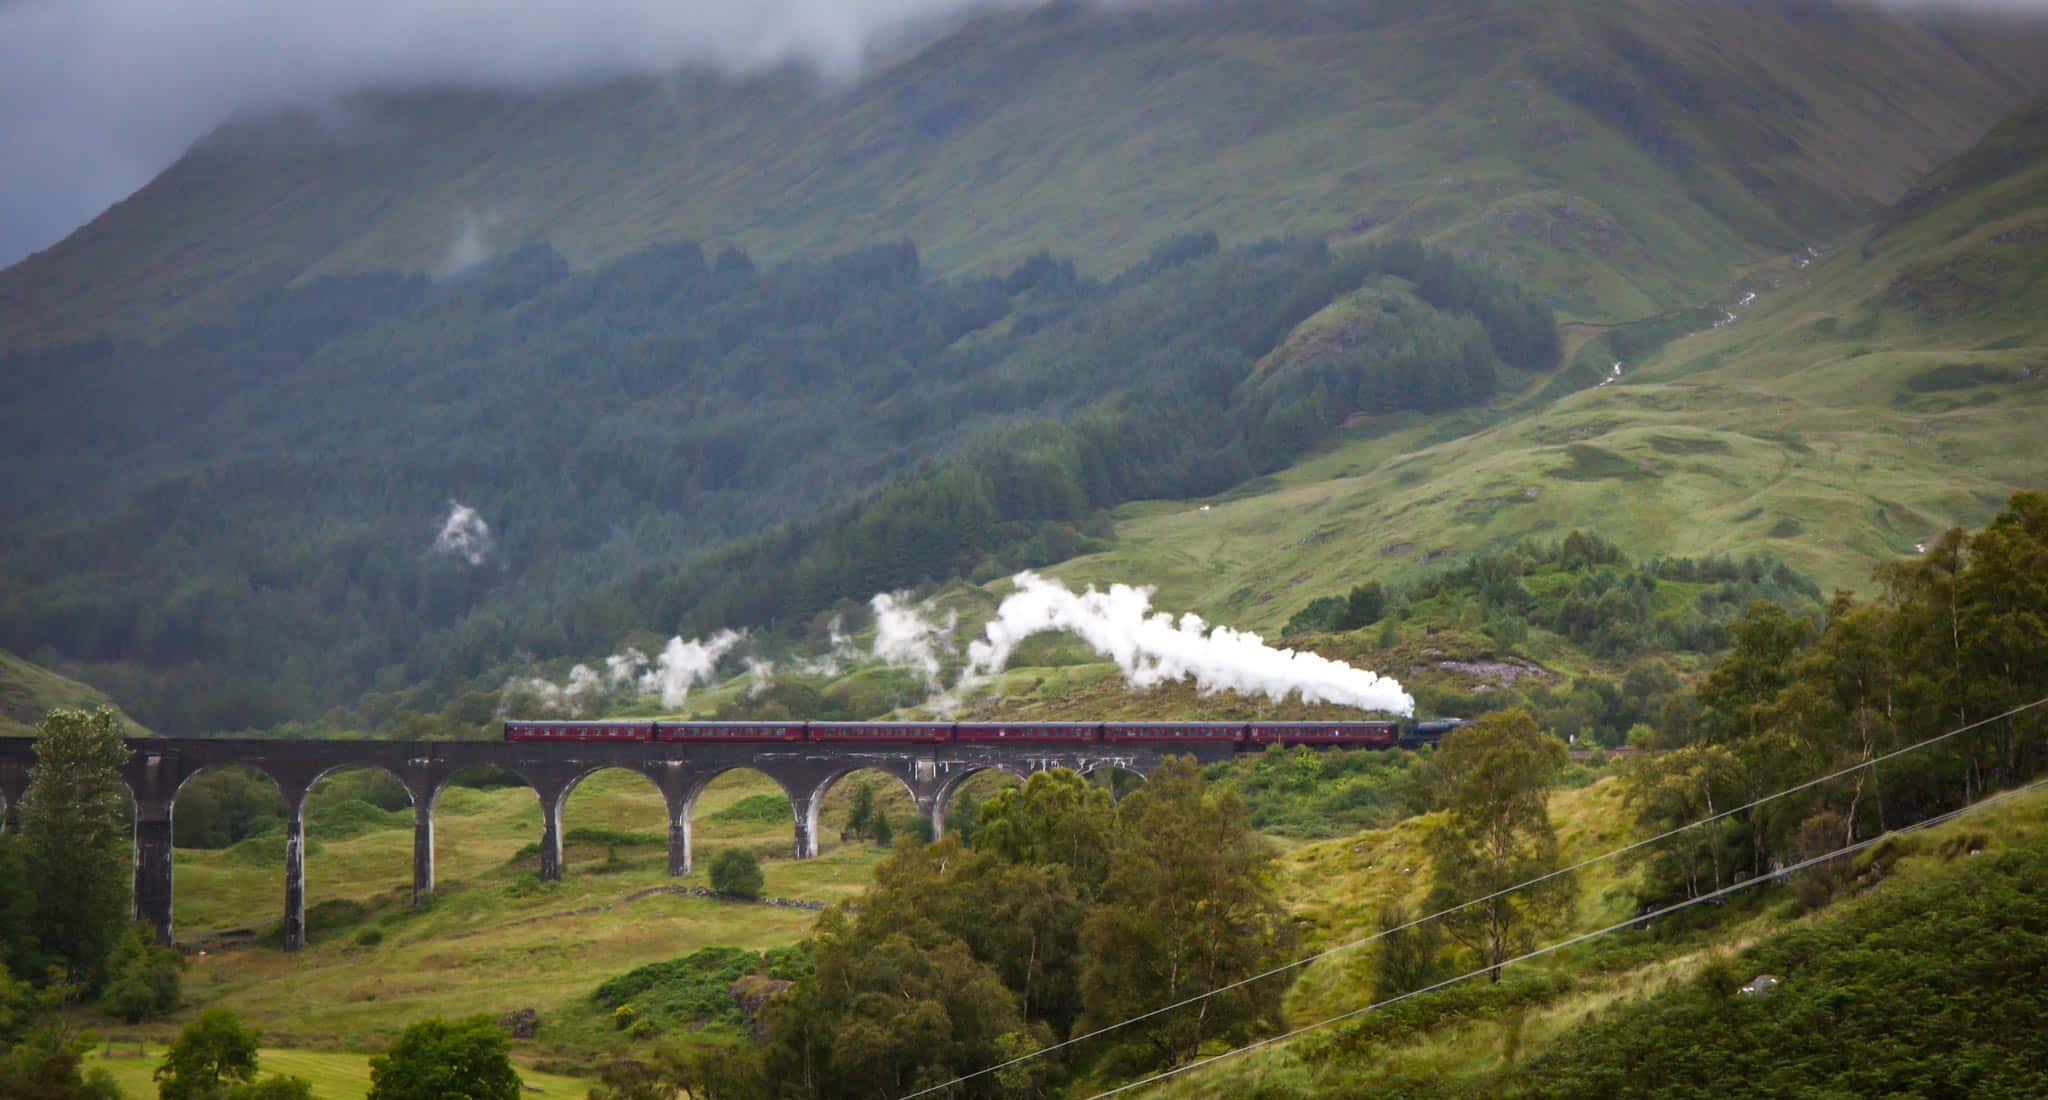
{"points": [[75, 859], [1496, 773], [437, 1059]]}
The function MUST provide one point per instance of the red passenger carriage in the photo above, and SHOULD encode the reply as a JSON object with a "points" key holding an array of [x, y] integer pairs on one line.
{"points": [[1174, 732], [579, 731], [1029, 731], [729, 732], [896, 733], [1369, 734]]}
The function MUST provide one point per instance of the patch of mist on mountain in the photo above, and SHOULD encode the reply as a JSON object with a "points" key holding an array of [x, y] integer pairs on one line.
{"points": [[110, 91]]}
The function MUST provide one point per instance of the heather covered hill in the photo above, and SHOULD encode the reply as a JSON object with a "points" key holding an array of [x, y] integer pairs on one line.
{"points": [[1859, 401], [1620, 156]]}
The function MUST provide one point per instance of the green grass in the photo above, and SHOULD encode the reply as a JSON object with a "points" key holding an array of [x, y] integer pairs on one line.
{"points": [[1837, 422], [495, 939], [29, 690], [334, 1076]]}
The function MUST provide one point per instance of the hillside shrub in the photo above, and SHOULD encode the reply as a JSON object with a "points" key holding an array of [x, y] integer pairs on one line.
{"points": [[695, 988], [1304, 792], [755, 809], [353, 817], [625, 838], [143, 977], [737, 874]]}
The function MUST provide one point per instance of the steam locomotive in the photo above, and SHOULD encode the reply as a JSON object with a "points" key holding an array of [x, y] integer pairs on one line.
{"points": [[1242, 735]]}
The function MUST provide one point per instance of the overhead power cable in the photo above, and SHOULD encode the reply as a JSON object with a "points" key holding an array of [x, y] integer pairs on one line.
{"points": [[1538, 880], [1724, 891]]}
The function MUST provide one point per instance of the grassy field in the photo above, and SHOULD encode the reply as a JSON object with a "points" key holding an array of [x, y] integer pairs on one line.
{"points": [[494, 939], [334, 1076], [1858, 404]]}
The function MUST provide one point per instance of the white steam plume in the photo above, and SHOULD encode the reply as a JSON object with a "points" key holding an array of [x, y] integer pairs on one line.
{"points": [[573, 695], [680, 666], [905, 637], [464, 535], [760, 676], [683, 665], [1154, 648], [623, 668], [469, 248], [841, 653]]}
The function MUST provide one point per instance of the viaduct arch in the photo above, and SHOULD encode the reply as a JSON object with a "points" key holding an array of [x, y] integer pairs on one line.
{"points": [[158, 767]]}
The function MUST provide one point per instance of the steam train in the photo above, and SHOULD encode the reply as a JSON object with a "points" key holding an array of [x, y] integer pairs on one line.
{"points": [[1242, 735]]}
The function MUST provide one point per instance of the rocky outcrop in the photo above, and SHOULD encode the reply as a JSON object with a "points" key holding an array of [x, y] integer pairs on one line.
{"points": [[752, 992], [522, 1024]]}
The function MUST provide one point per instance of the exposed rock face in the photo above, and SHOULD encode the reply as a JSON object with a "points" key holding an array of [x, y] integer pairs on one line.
{"points": [[752, 992], [521, 1024], [1503, 671], [1762, 986]]}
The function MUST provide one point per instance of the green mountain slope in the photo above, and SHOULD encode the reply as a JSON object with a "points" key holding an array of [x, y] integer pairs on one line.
{"points": [[384, 480], [28, 691], [1861, 403], [1620, 155]]}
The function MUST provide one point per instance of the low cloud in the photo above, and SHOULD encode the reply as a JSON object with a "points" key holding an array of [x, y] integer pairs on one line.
{"points": [[97, 96]]}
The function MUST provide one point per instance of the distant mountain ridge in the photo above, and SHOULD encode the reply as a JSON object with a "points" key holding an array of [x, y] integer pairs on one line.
{"points": [[1619, 156]]}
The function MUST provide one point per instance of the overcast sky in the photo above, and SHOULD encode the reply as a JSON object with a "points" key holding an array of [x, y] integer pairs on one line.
{"points": [[97, 96]]}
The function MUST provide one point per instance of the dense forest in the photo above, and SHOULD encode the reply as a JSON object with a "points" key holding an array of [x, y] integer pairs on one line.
{"points": [[237, 524]]}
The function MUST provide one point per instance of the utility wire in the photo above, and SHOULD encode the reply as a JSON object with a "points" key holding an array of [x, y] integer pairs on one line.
{"points": [[1539, 879], [1581, 938]]}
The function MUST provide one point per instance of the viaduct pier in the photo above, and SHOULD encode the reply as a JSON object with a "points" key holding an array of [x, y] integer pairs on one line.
{"points": [[158, 767]]}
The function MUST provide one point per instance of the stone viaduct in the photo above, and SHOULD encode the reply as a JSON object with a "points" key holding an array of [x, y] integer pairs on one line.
{"points": [[158, 767]]}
